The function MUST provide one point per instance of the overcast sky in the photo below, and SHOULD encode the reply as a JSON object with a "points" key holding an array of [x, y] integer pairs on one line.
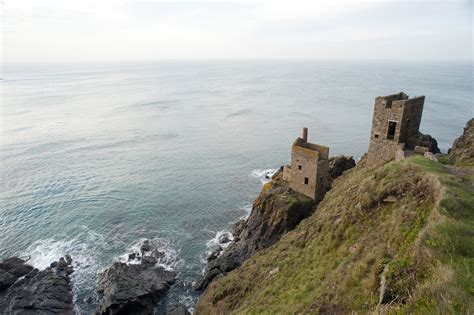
{"points": [[134, 30]]}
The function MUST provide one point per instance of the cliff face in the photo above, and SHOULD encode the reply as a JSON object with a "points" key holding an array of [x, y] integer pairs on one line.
{"points": [[394, 238], [463, 147]]}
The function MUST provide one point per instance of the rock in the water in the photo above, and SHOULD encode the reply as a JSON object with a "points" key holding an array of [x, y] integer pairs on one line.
{"points": [[214, 254], [463, 147], [146, 247], [132, 256], [224, 238], [179, 309], [33, 291], [157, 254], [276, 211], [340, 164], [132, 289], [149, 260], [68, 259]]}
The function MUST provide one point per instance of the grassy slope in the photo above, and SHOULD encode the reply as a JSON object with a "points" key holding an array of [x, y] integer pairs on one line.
{"points": [[421, 241]]}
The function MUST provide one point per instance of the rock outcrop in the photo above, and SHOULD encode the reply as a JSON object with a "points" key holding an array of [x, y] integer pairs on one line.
{"points": [[277, 210], [134, 288], [433, 144], [463, 147], [26, 290], [339, 164]]}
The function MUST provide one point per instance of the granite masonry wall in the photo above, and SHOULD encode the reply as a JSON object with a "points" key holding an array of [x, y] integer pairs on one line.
{"points": [[396, 121]]}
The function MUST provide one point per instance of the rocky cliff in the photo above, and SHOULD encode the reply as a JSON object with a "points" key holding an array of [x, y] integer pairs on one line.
{"points": [[393, 239], [277, 210], [463, 147]]}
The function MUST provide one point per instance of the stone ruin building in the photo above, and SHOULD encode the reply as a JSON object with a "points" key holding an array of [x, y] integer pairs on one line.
{"points": [[308, 172], [395, 130]]}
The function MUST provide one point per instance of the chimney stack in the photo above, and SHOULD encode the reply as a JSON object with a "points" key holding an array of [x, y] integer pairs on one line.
{"points": [[305, 135]]}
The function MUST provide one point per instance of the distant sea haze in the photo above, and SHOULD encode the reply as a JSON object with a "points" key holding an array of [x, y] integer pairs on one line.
{"points": [[96, 158]]}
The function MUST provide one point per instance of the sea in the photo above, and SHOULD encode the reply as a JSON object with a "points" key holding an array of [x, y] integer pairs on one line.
{"points": [[96, 158]]}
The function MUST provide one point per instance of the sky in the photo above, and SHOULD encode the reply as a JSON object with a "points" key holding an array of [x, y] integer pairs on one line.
{"points": [[140, 30]]}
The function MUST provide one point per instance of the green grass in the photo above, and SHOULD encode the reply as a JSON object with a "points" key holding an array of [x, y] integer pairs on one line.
{"points": [[333, 261]]}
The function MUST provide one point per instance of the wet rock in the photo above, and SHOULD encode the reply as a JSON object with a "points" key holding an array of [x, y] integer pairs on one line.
{"points": [[214, 254], [68, 259], [224, 238], [132, 289], [132, 256], [146, 247], [54, 264], [35, 292], [157, 254], [15, 266], [179, 309], [62, 263], [6, 279], [149, 260], [89, 300]]}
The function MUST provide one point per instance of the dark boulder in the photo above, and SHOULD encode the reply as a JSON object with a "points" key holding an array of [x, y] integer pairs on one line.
{"points": [[224, 238], [340, 164], [157, 254], [430, 142], [146, 247], [214, 254], [15, 266], [132, 289], [36, 292]]}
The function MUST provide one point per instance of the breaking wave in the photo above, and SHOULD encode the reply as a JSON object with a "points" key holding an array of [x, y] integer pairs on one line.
{"points": [[264, 175], [169, 259]]}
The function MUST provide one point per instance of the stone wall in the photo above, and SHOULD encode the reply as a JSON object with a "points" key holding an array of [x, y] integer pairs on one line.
{"points": [[402, 113], [304, 170], [411, 120]]}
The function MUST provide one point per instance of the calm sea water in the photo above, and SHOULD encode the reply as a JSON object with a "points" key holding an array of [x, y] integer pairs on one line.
{"points": [[95, 158]]}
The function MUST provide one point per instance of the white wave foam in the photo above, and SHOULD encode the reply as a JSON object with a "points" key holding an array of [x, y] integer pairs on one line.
{"points": [[214, 242], [84, 250], [170, 260], [264, 175]]}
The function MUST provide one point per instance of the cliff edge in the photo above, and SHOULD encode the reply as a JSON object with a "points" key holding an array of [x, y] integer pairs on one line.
{"points": [[397, 238]]}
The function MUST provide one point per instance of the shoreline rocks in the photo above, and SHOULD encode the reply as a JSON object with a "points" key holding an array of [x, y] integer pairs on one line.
{"points": [[27, 290], [134, 288]]}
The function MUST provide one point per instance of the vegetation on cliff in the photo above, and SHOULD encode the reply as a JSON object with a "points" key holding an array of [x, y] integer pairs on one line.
{"points": [[394, 239]]}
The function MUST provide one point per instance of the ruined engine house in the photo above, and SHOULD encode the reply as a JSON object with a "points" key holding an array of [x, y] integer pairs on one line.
{"points": [[395, 129], [308, 172]]}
